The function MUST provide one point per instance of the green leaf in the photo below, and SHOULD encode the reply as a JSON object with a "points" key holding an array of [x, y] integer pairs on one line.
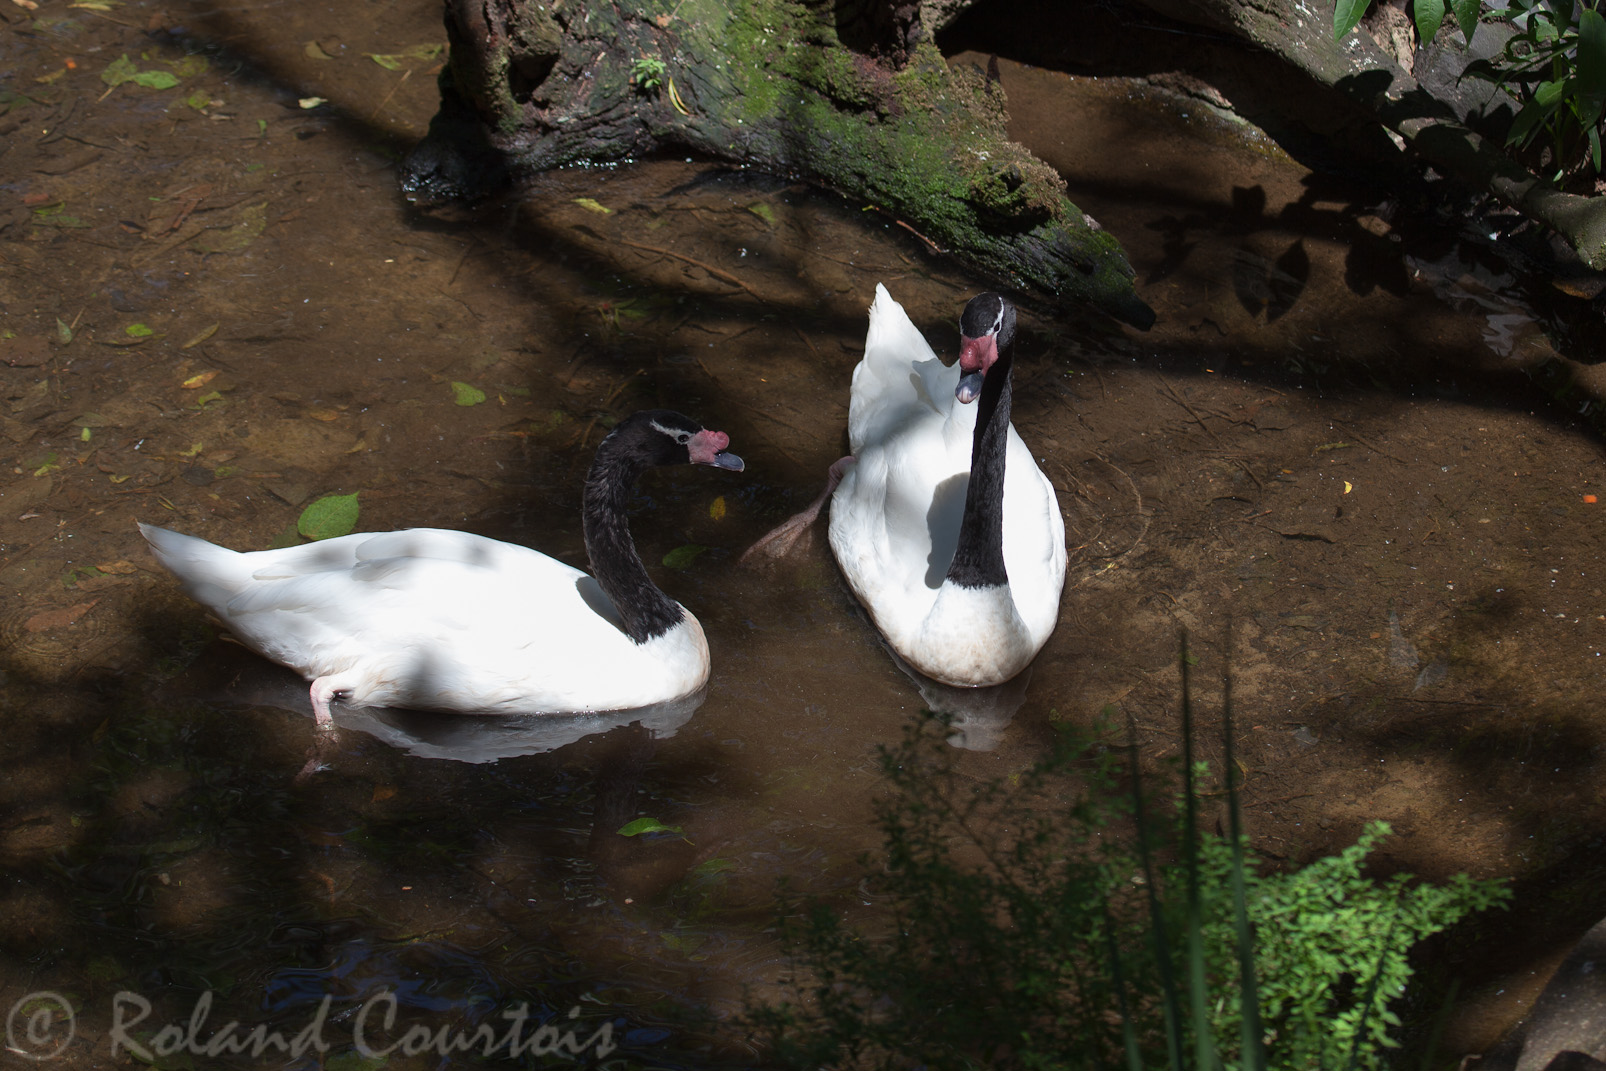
{"points": [[1527, 121], [646, 825], [1346, 16], [122, 70], [1429, 17], [592, 205], [1466, 16], [63, 332], [390, 63], [1591, 71], [119, 71], [763, 211], [137, 331], [329, 516], [467, 393], [1548, 94], [682, 557], [156, 79]]}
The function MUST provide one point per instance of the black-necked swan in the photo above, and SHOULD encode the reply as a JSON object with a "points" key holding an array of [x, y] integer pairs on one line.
{"points": [[442, 620], [945, 528]]}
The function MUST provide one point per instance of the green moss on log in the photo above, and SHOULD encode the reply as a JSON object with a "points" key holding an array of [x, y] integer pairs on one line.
{"points": [[769, 84]]}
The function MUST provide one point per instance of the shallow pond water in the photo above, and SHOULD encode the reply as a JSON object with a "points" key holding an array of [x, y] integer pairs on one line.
{"points": [[1346, 459]]}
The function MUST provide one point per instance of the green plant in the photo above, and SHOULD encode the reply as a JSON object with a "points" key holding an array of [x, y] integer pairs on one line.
{"points": [[1020, 931], [647, 73], [1331, 950], [1554, 65]]}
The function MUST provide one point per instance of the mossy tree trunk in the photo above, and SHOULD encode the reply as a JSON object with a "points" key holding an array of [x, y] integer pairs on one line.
{"points": [[847, 94]]}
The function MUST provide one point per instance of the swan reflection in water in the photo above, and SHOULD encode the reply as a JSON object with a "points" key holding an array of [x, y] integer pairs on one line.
{"points": [[977, 716], [466, 738], [228, 676]]}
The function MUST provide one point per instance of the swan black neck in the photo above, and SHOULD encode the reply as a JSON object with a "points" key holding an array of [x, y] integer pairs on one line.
{"points": [[979, 557], [645, 611]]}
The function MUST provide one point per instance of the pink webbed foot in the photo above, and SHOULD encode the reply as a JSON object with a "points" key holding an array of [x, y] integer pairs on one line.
{"points": [[324, 692], [784, 539]]}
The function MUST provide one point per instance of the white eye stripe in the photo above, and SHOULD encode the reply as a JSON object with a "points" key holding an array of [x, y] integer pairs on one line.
{"points": [[680, 435]]}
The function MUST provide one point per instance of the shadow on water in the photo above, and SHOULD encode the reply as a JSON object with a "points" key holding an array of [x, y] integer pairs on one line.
{"points": [[1322, 442]]}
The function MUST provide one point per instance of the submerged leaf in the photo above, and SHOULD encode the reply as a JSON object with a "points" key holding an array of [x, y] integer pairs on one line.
{"points": [[253, 221], [49, 619], [119, 71], [156, 79], [467, 393], [138, 331], [191, 65], [205, 334], [646, 825], [329, 516], [682, 557], [122, 69], [591, 204]]}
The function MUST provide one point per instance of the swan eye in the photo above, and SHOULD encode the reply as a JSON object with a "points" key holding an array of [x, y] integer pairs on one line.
{"points": [[683, 437]]}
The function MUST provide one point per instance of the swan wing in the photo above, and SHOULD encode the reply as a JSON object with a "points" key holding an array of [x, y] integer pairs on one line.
{"points": [[1034, 541]]}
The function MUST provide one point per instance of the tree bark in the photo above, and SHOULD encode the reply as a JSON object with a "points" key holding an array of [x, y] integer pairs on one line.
{"points": [[850, 96]]}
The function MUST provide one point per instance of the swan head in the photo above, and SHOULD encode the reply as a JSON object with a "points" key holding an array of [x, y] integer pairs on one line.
{"points": [[671, 438], [986, 329]]}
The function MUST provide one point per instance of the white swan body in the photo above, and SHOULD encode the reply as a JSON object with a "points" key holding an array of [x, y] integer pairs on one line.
{"points": [[438, 620], [442, 620], [896, 516]]}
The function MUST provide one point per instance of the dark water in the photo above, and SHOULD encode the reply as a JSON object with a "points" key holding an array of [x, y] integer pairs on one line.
{"points": [[1348, 449]]}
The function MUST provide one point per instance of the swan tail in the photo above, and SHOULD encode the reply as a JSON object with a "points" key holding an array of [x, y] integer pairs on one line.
{"points": [[208, 573], [892, 342], [899, 376]]}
